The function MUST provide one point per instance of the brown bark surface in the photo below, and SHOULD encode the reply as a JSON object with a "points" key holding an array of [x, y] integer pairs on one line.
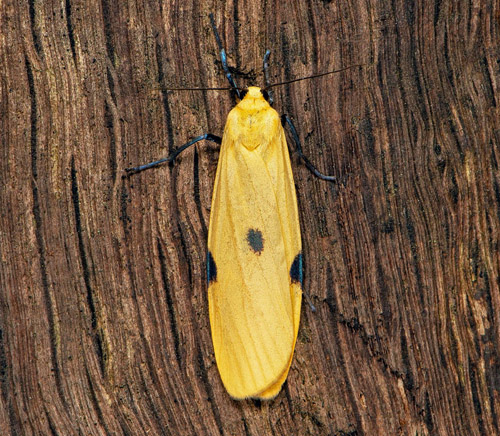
{"points": [[103, 310]]}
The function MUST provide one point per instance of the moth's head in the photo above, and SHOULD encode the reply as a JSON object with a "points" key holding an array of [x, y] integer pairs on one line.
{"points": [[254, 99], [254, 93]]}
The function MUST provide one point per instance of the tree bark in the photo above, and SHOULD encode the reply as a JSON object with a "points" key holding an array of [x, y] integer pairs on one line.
{"points": [[103, 309]]}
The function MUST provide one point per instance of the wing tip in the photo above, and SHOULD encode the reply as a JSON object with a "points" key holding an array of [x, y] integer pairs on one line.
{"points": [[269, 392]]}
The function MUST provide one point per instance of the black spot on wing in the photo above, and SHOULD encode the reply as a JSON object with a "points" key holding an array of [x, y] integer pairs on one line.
{"points": [[296, 269], [255, 240], [211, 268]]}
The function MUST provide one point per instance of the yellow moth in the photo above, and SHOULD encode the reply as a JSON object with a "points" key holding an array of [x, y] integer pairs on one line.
{"points": [[254, 260], [254, 253]]}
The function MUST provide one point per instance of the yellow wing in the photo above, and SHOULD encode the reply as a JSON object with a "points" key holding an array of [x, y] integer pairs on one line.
{"points": [[254, 262]]}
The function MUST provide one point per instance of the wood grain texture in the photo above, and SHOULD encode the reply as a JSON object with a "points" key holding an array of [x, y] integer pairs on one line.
{"points": [[103, 310]]}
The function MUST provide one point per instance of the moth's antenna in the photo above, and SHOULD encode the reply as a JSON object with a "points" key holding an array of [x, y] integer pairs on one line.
{"points": [[311, 77], [197, 89], [223, 58]]}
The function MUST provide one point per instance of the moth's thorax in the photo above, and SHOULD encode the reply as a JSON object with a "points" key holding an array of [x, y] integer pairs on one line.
{"points": [[253, 122]]}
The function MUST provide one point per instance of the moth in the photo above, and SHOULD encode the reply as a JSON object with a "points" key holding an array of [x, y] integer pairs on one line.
{"points": [[254, 256]]}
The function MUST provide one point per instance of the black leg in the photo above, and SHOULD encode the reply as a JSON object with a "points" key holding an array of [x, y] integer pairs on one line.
{"points": [[171, 158], [223, 58], [309, 165], [267, 84]]}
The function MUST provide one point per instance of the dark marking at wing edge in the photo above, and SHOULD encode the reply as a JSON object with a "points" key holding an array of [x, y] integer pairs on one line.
{"points": [[211, 268], [296, 270], [255, 240]]}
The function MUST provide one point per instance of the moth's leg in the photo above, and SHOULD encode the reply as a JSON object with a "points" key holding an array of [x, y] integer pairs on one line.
{"points": [[171, 158], [223, 58], [286, 120], [265, 69]]}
